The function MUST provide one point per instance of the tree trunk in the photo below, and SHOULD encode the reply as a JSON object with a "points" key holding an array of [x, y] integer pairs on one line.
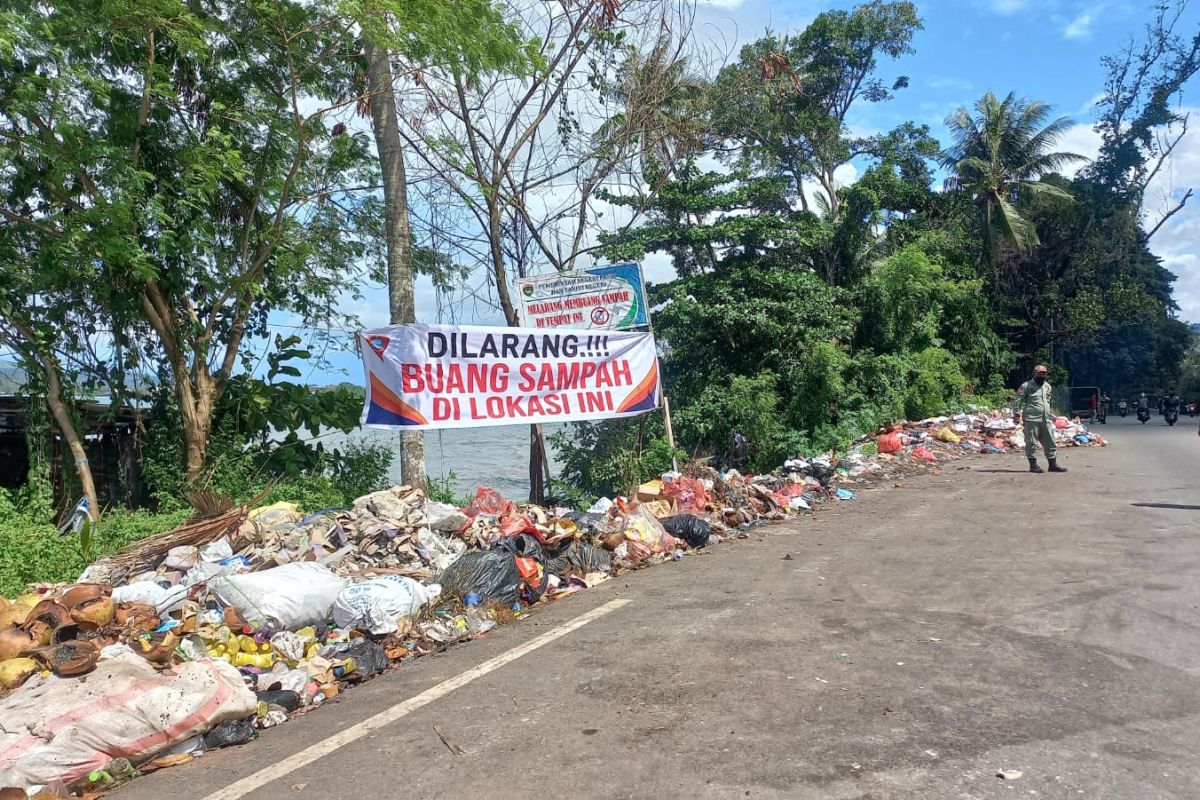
{"points": [[399, 231], [62, 416], [195, 410]]}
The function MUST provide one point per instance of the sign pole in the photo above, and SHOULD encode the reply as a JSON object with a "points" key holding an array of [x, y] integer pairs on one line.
{"points": [[661, 383]]}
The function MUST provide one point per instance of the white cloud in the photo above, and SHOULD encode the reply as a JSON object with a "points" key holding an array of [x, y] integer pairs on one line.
{"points": [[1087, 107], [721, 3], [1080, 27], [1082, 140], [845, 175]]}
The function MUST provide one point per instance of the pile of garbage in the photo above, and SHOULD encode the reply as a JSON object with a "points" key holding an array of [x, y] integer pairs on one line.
{"points": [[988, 432], [200, 637]]}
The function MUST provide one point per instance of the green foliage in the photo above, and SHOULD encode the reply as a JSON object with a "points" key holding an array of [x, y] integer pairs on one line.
{"points": [[751, 406], [600, 458], [937, 381], [35, 552], [442, 490], [999, 153]]}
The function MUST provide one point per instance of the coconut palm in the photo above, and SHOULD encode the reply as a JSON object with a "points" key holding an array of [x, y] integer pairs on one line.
{"points": [[661, 117], [1000, 153]]}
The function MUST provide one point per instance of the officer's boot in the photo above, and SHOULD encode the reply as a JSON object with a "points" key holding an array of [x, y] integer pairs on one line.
{"points": [[1054, 467], [1033, 466]]}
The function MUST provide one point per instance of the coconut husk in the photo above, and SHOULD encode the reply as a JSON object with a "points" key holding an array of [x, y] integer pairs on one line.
{"points": [[50, 613], [84, 592], [71, 658]]}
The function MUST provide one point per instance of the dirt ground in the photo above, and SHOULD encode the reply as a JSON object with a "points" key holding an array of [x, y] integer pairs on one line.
{"points": [[910, 644]]}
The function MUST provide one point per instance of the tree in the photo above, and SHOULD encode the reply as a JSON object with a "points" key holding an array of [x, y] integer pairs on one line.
{"points": [[999, 154], [784, 104], [470, 37], [204, 189], [1140, 129]]}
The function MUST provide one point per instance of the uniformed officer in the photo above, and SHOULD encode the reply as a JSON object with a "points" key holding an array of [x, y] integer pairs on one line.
{"points": [[1033, 407]]}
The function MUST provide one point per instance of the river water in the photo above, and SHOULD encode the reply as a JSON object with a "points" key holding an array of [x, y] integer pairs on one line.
{"points": [[496, 457]]}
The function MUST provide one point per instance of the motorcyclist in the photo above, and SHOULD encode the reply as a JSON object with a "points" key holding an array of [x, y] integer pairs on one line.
{"points": [[1122, 406], [1143, 402], [1171, 402]]}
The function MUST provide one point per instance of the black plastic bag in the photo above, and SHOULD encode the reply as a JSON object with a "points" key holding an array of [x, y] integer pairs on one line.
{"points": [[369, 658], [287, 700], [522, 545], [229, 733], [491, 574], [581, 559], [587, 521], [688, 527]]}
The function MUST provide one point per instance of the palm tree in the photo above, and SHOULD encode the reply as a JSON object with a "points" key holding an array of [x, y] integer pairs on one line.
{"points": [[1000, 154], [661, 100]]}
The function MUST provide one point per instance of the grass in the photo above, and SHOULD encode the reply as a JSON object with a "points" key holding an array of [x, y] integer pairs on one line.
{"points": [[34, 552]]}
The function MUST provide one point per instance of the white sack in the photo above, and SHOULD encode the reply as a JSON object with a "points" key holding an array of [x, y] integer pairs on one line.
{"points": [[289, 597]]}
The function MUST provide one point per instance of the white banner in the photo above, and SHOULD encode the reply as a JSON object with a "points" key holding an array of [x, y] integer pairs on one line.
{"points": [[600, 298], [446, 376]]}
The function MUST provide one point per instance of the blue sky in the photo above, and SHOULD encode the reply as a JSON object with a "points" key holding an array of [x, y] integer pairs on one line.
{"points": [[1044, 49]]}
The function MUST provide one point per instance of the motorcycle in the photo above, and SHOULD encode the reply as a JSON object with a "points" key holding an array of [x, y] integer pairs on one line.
{"points": [[1171, 415], [1143, 415], [1123, 408]]}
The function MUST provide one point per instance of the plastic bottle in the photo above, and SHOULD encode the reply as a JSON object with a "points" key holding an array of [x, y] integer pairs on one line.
{"points": [[478, 621], [260, 660]]}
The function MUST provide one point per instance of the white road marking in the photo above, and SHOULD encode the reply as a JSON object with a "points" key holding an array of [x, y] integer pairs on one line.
{"points": [[371, 724]]}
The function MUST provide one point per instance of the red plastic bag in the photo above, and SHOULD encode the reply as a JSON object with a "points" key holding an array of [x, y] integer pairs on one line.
{"points": [[533, 579], [490, 502], [923, 452], [890, 443], [515, 524], [689, 493]]}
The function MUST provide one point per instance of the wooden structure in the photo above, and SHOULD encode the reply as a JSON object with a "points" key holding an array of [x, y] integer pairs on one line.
{"points": [[111, 436]]}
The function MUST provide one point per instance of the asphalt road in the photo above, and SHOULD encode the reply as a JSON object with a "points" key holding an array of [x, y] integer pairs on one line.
{"points": [[911, 644]]}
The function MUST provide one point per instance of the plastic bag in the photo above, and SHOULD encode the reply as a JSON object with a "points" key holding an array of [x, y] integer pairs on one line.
{"points": [[516, 524], [581, 559], [890, 443], [229, 733], [689, 528], [522, 545], [369, 658], [642, 526], [288, 597], [948, 436], [534, 581], [444, 517], [288, 701], [490, 502], [491, 574], [60, 729], [689, 494], [376, 604], [439, 551], [148, 593], [923, 453], [276, 518]]}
